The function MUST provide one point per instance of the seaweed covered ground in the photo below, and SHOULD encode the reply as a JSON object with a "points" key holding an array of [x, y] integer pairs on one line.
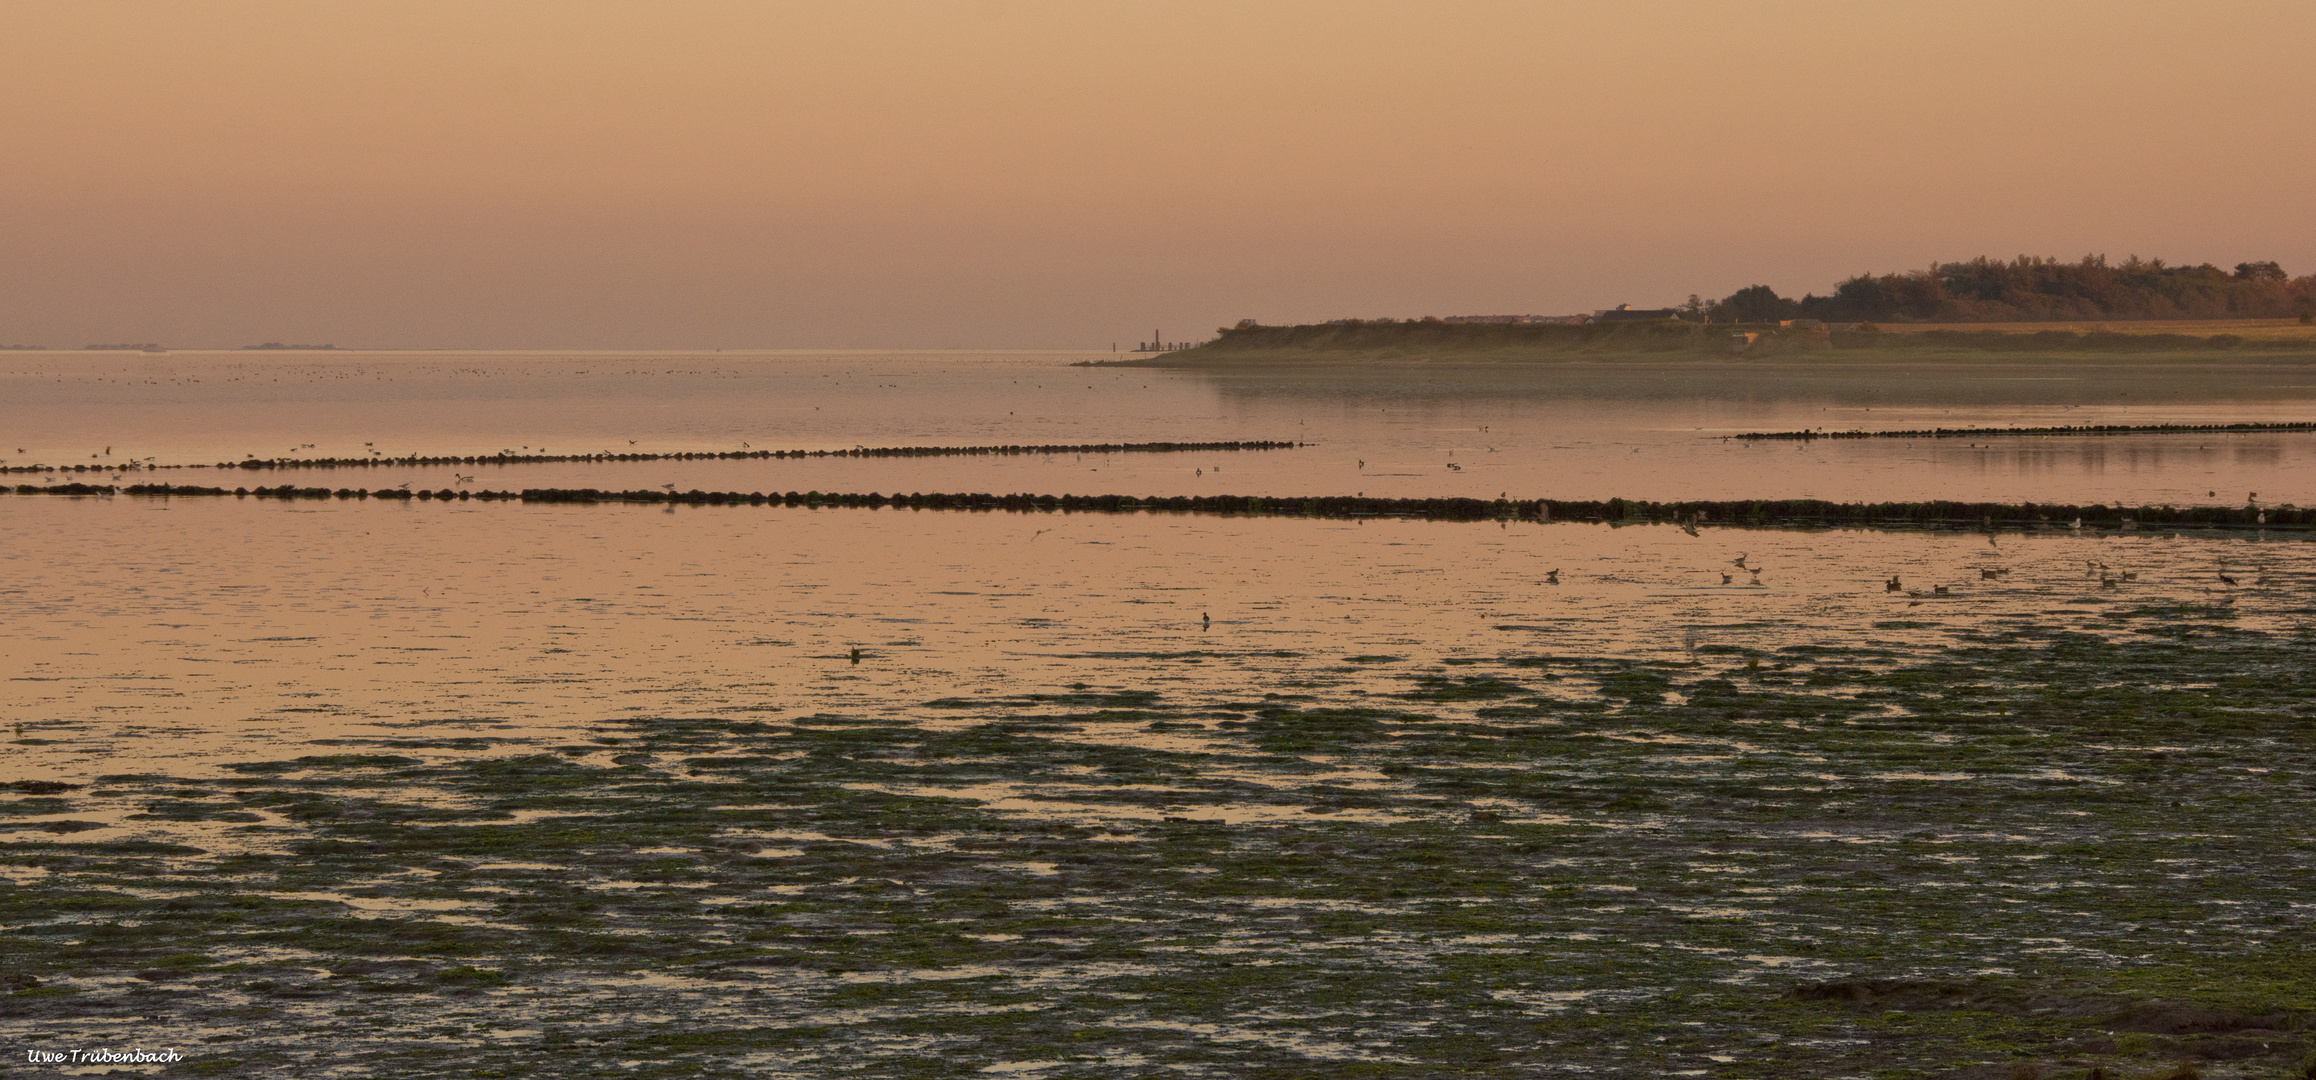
{"points": [[2033, 852]]}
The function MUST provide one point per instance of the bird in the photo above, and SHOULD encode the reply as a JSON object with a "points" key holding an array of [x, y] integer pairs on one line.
{"points": [[1040, 532], [1205, 620], [1552, 577], [1985, 574], [1455, 466], [2225, 579], [1689, 526], [1938, 590], [856, 654], [1727, 577], [669, 487], [1739, 561], [464, 479], [1892, 585]]}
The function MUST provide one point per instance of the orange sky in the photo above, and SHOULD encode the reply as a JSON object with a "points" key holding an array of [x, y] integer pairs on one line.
{"points": [[1001, 173]]}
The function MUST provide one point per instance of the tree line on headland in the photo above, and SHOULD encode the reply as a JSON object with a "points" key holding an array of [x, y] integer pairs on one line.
{"points": [[2030, 289], [1982, 290]]}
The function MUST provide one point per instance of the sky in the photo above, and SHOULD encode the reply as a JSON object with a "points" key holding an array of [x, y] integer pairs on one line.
{"points": [[1024, 174]]}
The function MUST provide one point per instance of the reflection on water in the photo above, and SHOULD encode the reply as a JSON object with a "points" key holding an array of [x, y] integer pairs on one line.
{"points": [[156, 629], [155, 635], [1652, 431]]}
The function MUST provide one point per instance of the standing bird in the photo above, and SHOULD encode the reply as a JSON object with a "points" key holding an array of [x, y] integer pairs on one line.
{"points": [[1892, 585], [1205, 621], [2225, 579], [1551, 577], [1739, 561]]}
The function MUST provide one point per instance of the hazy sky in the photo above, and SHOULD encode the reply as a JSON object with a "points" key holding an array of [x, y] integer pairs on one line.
{"points": [[1005, 173]]}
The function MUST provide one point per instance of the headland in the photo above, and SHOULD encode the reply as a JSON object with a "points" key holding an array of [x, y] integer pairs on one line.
{"points": [[1437, 341]]}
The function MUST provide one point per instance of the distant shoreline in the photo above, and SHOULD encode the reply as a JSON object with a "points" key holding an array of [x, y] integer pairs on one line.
{"points": [[1433, 341]]}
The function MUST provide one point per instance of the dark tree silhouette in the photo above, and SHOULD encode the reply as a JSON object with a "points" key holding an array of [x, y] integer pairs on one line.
{"points": [[1755, 304], [2029, 289]]}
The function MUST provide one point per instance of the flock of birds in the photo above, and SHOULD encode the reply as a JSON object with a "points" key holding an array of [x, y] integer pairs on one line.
{"points": [[2107, 576]]}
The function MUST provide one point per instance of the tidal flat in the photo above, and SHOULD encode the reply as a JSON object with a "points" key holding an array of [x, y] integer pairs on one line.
{"points": [[2053, 825]]}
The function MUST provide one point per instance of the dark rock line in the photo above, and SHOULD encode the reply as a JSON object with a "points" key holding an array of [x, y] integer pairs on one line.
{"points": [[727, 455], [1802, 513], [2085, 429]]}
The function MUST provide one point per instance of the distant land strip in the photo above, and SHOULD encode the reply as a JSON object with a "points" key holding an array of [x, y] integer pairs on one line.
{"points": [[1756, 513], [2083, 429], [504, 458], [1389, 340]]}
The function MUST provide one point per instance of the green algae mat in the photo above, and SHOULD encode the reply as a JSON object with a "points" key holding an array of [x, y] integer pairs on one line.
{"points": [[2031, 853]]}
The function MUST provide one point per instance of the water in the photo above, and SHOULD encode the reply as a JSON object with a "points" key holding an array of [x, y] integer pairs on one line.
{"points": [[660, 708], [226, 626], [159, 635], [1635, 430]]}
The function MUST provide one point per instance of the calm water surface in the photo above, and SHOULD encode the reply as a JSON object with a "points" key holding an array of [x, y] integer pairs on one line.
{"points": [[1571, 432], [175, 631]]}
